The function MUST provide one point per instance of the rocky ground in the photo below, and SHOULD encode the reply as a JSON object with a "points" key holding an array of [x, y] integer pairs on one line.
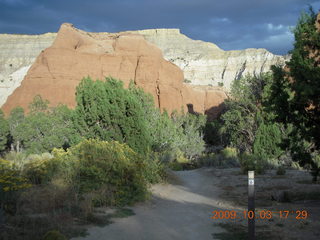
{"points": [[182, 209]]}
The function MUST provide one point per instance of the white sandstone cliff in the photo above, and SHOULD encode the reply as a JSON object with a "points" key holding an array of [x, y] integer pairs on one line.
{"points": [[204, 63], [17, 54]]}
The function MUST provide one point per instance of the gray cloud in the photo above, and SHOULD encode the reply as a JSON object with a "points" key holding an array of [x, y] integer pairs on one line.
{"points": [[231, 24]]}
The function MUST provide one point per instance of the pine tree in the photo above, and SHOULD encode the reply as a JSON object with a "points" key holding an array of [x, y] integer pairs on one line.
{"points": [[295, 94], [4, 132], [107, 111]]}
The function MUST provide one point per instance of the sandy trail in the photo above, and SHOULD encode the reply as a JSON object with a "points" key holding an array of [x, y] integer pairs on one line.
{"points": [[180, 210]]}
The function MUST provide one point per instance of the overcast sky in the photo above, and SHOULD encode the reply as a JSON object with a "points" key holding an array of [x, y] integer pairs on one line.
{"points": [[231, 24]]}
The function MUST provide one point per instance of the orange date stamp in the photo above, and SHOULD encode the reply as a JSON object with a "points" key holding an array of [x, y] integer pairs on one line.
{"points": [[264, 214]]}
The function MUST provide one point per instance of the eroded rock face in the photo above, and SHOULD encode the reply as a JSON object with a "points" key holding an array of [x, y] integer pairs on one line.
{"points": [[17, 54], [75, 54], [204, 63]]}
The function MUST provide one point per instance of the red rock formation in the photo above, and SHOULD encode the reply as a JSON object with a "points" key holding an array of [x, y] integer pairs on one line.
{"points": [[76, 54]]}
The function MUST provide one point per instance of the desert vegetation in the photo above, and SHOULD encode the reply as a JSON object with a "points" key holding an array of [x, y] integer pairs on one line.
{"points": [[58, 164], [62, 163], [273, 119]]}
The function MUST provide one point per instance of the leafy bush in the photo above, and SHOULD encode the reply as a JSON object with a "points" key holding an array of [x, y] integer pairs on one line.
{"points": [[10, 183], [212, 132], [208, 160], [112, 171], [54, 235], [244, 111], [178, 132], [226, 158], [229, 152], [251, 162], [18, 159], [155, 169], [4, 132], [43, 129], [281, 170], [179, 161], [10, 179], [39, 168], [267, 143], [191, 135], [107, 111]]}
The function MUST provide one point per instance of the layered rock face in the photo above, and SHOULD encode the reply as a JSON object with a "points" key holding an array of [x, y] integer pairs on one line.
{"points": [[205, 63], [17, 54], [202, 63], [76, 54]]}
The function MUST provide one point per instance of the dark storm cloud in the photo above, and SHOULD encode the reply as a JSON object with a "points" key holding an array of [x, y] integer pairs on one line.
{"points": [[231, 24]]}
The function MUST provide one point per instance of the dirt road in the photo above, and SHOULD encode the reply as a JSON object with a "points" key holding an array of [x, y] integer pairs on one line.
{"points": [[179, 210]]}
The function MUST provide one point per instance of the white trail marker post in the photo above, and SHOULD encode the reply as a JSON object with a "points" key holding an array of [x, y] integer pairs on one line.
{"points": [[251, 207]]}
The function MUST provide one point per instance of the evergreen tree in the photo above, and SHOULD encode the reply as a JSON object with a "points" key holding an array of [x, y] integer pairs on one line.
{"points": [[243, 112], [295, 94], [4, 132], [16, 118], [43, 128], [107, 111]]}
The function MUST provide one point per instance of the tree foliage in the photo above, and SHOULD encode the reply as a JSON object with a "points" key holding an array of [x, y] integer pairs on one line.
{"points": [[4, 132], [295, 94], [42, 129], [107, 111], [243, 113]]}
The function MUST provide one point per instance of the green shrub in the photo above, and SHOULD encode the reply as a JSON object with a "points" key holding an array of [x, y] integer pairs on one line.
{"points": [[226, 158], [54, 235], [230, 157], [251, 162], [4, 132], [281, 170], [17, 158], [42, 129], [267, 143], [155, 170], [113, 172], [174, 159], [11, 182], [107, 111], [175, 166], [207, 160], [38, 168], [229, 152]]}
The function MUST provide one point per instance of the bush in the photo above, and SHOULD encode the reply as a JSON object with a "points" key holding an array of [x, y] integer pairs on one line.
{"points": [[281, 170], [178, 162], [43, 129], [18, 159], [251, 162], [4, 132], [11, 182], [107, 111], [230, 155], [112, 172], [155, 170], [39, 168], [267, 143], [54, 235], [208, 160], [226, 158]]}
